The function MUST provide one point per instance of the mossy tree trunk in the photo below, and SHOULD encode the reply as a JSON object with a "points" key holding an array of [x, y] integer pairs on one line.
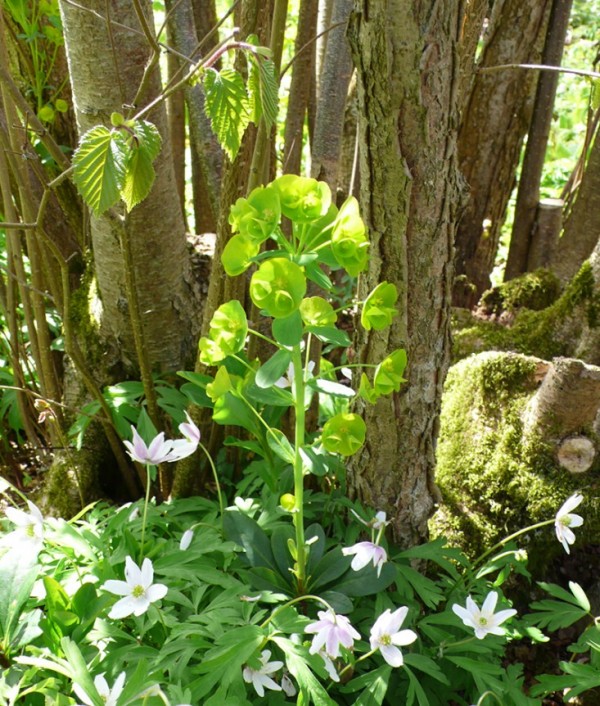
{"points": [[408, 72], [494, 123]]}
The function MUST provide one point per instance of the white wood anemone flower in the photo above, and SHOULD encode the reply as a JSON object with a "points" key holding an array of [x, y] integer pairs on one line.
{"points": [[28, 537], [330, 632], [261, 678], [365, 553], [565, 520], [387, 637], [484, 621], [138, 589], [109, 696]]}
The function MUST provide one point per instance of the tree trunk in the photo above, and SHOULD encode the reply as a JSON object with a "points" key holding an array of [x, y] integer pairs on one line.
{"points": [[407, 80], [104, 81], [582, 226], [537, 140], [495, 120], [300, 88], [333, 83]]}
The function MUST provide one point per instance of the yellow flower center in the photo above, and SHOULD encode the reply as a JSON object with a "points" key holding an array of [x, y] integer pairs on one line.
{"points": [[385, 640], [483, 621], [138, 591]]}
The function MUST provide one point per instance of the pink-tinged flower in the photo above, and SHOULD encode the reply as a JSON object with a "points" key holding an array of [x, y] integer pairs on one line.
{"points": [[109, 696], [331, 631], [288, 686], [386, 636], [565, 519], [158, 451], [483, 621], [188, 445], [138, 589], [379, 522], [189, 430], [365, 553], [260, 678], [28, 537]]}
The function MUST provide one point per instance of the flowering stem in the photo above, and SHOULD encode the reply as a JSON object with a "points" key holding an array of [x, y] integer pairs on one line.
{"points": [[307, 597], [298, 514], [360, 659], [485, 694], [145, 515], [216, 477], [510, 537]]}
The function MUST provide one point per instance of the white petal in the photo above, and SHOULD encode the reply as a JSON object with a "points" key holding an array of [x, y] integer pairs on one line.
{"points": [[404, 637], [570, 504], [81, 695], [122, 608], [147, 573], [490, 603], [18, 517], [186, 539], [119, 588], [102, 686], [35, 512], [141, 605], [118, 686], [392, 655], [267, 682], [575, 520], [133, 575], [156, 592]]}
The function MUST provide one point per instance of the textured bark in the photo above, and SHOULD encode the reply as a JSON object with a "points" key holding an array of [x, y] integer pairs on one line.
{"points": [[207, 156], [300, 87], [546, 231], [334, 80], [495, 120], [537, 141], [104, 82], [176, 117], [407, 66], [582, 226]]}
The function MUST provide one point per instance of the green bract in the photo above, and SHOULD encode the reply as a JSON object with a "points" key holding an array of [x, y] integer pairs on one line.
{"points": [[316, 311], [344, 434], [220, 385], [380, 307], [348, 240], [227, 333], [366, 391], [238, 253], [302, 199], [258, 216], [388, 374], [278, 287]]}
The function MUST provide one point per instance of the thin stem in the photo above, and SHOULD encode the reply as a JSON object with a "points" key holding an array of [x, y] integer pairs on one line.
{"points": [[510, 537], [216, 477], [298, 515], [543, 67], [360, 659], [145, 515], [307, 597]]}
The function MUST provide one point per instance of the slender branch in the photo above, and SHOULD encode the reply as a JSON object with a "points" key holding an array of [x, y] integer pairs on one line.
{"points": [[542, 67], [288, 66]]}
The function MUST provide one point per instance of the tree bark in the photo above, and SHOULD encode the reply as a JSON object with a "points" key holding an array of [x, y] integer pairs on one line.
{"points": [[582, 226], [495, 120], [300, 87], [333, 84], [407, 70], [530, 179], [105, 80]]}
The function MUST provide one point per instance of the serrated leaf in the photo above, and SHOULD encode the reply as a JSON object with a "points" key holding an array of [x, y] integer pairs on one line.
{"points": [[139, 172], [99, 168], [227, 107], [263, 88]]}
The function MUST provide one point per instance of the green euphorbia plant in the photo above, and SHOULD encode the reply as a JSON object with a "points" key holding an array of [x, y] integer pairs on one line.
{"points": [[322, 238]]}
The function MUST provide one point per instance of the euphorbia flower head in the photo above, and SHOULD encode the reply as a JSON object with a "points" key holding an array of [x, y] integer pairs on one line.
{"points": [[565, 520], [138, 589], [483, 621], [387, 636], [330, 632]]}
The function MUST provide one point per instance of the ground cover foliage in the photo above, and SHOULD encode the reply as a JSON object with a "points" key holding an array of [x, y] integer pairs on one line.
{"points": [[279, 588], [274, 592]]}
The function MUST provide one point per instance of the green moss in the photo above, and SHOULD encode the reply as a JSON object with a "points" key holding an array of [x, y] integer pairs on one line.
{"points": [[493, 483], [534, 290], [553, 331]]}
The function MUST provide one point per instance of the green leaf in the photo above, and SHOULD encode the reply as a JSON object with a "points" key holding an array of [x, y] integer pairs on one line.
{"points": [[269, 373], [79, 670], [139, 172], [99, 168], [375, 685], [415, 689], [288, 330], [328, 387], [330, 334], [227, 107], [17, 576], [244, 531], [264, 89], [280, 445], [427, 665]]}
